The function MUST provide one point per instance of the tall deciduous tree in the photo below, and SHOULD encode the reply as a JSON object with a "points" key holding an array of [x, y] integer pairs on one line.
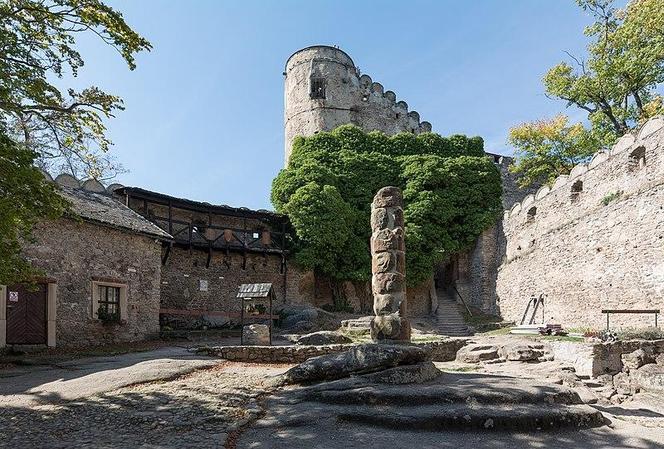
{"points": [[616, 83], [452, 192], [40, 124], [25, 197], [546, 149], [37, 46]]}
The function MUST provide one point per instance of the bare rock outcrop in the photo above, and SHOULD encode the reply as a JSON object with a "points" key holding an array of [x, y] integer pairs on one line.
{"points": [[357, 360]]}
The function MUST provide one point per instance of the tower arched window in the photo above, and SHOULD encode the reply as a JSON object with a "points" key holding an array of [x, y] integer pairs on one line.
{"points": [[530, 216]]}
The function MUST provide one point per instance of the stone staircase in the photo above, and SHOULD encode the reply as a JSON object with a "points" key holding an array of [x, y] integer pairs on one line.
{"points": [[449, 318]]}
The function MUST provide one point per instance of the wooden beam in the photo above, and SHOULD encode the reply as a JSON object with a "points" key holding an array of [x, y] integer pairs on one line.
{"points": [[201, 312]]}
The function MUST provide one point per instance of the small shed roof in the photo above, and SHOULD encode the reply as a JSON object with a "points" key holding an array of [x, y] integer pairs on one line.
{"points": [[254, 290]]}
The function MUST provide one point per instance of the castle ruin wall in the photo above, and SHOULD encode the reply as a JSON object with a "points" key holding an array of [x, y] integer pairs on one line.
{"points": [[594, 240]]}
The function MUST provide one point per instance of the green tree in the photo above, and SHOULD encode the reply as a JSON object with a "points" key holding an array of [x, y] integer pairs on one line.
{"points": [[452, 193], [37, 48], [546, 149], [40, 124], [25, 197], [616, 83]]}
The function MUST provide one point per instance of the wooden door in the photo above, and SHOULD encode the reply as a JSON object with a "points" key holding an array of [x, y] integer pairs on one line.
{"points": [[26, 314]]}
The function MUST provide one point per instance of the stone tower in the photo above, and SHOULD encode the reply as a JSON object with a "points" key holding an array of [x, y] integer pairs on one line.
{"points": [[324, 89]]}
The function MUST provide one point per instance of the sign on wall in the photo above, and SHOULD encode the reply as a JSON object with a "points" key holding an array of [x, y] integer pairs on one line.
{"points": [[13, 296], [203, 285]]}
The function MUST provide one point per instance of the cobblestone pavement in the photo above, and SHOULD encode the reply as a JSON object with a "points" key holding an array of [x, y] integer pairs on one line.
{"points": [[195, 410]]}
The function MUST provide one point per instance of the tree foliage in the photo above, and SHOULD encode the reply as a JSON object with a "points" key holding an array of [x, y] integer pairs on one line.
{"points": [[616, 83], [25, 197], [37, 48], [452, 192], [42, 125], [546, 149]]}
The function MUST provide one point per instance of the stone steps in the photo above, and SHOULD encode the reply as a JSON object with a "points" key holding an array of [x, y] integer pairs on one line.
{"points": [[500, 391], [451, 401], [465, 416], [448, 316]]}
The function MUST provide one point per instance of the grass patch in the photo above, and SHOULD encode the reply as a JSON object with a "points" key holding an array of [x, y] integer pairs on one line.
{"points": [[426, 338], [357, 335], [501, 331], [611, 197], [648, 333], [560, 338]]}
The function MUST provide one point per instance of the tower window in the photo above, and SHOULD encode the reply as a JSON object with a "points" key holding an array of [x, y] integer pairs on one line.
{"points": [[317, 88], [637, 159], [531, 214], [577, 188]]}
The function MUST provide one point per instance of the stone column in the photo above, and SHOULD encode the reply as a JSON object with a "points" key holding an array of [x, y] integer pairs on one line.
{"points": [[388, 266]]}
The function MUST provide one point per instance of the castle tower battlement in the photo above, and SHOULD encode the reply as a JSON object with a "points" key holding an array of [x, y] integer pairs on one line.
{"points": [[324, 89]]}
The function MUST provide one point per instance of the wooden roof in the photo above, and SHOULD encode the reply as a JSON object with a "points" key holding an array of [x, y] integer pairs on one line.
{"points": [[254, 290]]}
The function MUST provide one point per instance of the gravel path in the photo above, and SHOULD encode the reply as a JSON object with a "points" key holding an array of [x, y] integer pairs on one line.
{"points": [[195, 410]]}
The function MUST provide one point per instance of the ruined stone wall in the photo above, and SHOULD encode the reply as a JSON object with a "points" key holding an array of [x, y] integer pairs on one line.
{"points": [[72, 253], [594, 240], [349, 98]]}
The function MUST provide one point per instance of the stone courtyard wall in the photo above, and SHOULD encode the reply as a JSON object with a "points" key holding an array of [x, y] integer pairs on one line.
{"points": [[594, 240], [73, 253]]}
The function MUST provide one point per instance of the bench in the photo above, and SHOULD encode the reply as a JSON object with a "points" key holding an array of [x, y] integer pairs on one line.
{"points": [[608, 313]]}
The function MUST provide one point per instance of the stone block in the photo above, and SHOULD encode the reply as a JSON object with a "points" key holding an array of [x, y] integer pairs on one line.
{"points": [[390, 328], [649, 377], [256, 334], [476, 353], [622, 383], [387, 240], [636, 359], [383, 283], [521, 352], [323, 338], [388, 197]]}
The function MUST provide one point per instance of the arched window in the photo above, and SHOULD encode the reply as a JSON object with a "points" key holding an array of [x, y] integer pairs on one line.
{"points": [[637, 159], [577, 188], [530, 216]]}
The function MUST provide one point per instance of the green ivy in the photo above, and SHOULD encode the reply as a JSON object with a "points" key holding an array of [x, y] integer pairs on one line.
{"points": [[452, 193]]}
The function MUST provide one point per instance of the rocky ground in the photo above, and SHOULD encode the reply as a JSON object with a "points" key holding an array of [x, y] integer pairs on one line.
{"points": [[195, 410], [174, 398]]}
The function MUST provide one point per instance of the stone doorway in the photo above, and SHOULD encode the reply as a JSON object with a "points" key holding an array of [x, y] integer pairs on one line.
{"points": [[27, 314]]}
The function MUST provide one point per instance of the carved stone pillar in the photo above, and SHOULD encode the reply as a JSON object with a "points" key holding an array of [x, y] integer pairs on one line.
{"points": [[388, 266]]}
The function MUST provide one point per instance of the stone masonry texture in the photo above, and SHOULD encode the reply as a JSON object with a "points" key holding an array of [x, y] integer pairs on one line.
{"points": [[349, 98], [72, 253], [594, 240], [388, 267]]}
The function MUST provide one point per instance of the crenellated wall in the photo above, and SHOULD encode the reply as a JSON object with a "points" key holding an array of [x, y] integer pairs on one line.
{"points": [[594, 240], [348, 98]]}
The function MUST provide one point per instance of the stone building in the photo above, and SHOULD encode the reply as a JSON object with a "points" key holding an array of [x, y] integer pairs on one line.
{"points": [[594, 240], [101, 265], [215, 248]]}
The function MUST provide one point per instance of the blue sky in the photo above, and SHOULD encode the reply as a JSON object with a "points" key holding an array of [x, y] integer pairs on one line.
{"points": [[204, 109]]}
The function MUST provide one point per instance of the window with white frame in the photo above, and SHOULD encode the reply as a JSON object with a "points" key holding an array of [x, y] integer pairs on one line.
{"points": [[109, 301]]}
